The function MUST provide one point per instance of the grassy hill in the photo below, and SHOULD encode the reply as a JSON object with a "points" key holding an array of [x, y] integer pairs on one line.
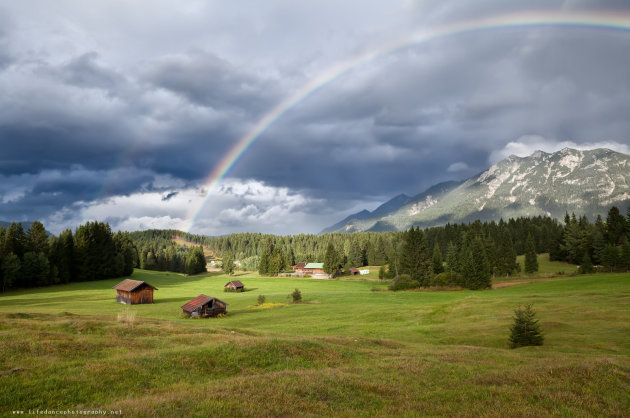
{"points": [[349, 349]]}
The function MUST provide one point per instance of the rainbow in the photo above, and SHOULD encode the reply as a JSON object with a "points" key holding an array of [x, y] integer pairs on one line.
{"points": [[566, 19]]}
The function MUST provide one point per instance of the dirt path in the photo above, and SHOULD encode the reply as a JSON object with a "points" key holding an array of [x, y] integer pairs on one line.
{"points": [[516, 282]]}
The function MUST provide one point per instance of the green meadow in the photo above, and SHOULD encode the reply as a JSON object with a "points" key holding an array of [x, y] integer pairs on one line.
{"points": [[351, 348]]}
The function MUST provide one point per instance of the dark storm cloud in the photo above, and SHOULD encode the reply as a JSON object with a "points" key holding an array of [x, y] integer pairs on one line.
{"points": [[208, 80], [154, 105]]}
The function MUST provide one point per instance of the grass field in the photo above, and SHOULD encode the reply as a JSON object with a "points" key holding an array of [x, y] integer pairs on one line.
{"points": [[349, 349]]}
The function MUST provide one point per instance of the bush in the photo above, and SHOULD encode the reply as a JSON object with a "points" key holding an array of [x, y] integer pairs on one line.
{"points": [[297, 296], [525, 330], [382, 272], [447, 279], [403, 282], [261, 299]]}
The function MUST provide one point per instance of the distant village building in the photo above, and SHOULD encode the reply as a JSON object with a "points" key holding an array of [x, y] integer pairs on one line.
{"points": [[235, 285], [299, 267], [134, 292], [204, 306], [314, 268]]}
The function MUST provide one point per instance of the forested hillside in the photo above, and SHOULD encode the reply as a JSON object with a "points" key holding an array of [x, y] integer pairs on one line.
{"points": [[575, 240], [92, 252]]}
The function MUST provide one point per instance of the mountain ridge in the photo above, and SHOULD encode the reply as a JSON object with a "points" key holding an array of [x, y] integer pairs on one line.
{"points": [[548, 184]]}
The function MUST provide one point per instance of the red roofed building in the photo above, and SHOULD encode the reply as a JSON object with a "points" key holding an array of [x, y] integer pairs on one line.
{"points": [[204, 306], [299, 267], [134, 292]]}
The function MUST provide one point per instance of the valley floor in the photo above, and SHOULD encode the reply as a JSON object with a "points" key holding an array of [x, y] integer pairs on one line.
{"points": [[347, 350]]}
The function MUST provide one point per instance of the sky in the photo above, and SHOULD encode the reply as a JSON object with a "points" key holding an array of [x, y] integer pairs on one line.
{"points": [[120, 111]]}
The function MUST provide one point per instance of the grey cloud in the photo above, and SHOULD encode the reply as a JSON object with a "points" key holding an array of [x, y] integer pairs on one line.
{"points": [[165, 96], [208, 80]]}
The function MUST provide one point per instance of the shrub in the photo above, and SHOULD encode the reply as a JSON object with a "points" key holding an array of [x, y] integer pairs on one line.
{"points": [[261, 299], [447, 279], [297, 296], [403, 282], [525, 330], [382, 272], [586, 266]]}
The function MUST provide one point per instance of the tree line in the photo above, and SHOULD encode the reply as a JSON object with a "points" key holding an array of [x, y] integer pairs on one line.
{"points": [[157, 250], [33, 258], [604, 243]]}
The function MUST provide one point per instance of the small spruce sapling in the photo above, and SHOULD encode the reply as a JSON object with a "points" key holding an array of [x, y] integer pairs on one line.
{"points": [[297, 296], [261, 299], [525, 330]]}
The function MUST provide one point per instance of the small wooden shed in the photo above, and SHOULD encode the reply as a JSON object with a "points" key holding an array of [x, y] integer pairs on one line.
{"points": [[204, 306], [353, 271], [235, 285], [134, 292]]}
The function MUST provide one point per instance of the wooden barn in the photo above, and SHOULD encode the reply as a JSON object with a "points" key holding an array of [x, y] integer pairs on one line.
{"points": [[353, 271], [204, 306], [235, 285], [134, 292]]}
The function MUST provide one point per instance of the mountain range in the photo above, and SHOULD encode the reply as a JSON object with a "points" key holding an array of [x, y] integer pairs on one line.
{"points": [[586, 182]]}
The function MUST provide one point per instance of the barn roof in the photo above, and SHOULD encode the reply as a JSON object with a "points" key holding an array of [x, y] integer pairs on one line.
{"points": [[353, 269], [129, 285], [314, 266], [300, 265], [199, 301], [236, 283]]}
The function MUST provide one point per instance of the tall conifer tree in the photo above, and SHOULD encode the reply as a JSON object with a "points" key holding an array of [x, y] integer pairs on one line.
{"points": [[531, 261]]}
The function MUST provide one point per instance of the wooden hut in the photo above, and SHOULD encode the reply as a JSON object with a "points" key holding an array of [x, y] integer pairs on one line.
{"points": [[235, 285], [133, 292], [353, 271], [204, 306]]}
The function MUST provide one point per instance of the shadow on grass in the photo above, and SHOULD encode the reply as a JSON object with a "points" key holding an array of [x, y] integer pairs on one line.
{"points": [[247, 289]]}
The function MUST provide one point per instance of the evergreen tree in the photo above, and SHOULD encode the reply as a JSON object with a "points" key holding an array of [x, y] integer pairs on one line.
{"points": [[436, 260], [451, 258], [615, 226], [355, 256], [382, 272], [15, 240], [491, 254], [414, 257], [228, 263], [276, 262], [124, 247], [332, 260], [195, 260], [35, 269], [10, 267], [531, 261], [150, 262], [380, 253], [95, 251], [506, 256], [610, 257], [525, 330], [475, 266], [625, 255], [265, 257], [36, 238], [599, 243], [586, 266]]}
